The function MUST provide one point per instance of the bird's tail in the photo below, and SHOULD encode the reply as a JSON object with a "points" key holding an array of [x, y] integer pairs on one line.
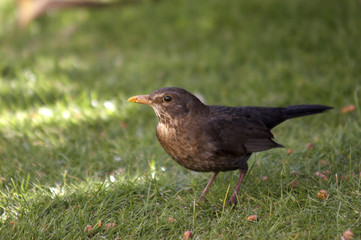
{"points": [[272, 116], [303, 110]]}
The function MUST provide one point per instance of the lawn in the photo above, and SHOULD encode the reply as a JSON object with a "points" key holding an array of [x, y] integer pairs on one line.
{"points": [[77, 161]]}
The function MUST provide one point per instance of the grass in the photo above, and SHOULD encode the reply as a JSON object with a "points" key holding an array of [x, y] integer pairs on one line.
{"points": [[75, 153]]}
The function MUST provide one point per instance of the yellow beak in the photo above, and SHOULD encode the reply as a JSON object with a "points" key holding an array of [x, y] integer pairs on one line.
{"points": [[144, 99]]}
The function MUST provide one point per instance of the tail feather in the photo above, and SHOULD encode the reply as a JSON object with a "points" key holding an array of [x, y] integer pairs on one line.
{"points": [[272, 116], [303, 110]]}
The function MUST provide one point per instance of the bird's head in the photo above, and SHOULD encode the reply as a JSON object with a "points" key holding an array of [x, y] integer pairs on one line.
{"points": [[170, 103]]}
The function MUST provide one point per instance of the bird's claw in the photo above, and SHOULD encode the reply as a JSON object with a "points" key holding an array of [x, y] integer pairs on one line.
{"points": [[202, 199], [233, 200]]}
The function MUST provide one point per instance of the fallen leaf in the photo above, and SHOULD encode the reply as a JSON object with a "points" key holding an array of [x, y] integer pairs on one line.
{"points": [[88, 228], [187, 235], [322, 194], [109, 225], [294, 183], [323, 176], [253, 218], [348, 108], [172, 220], [309, 146], [323, 162], [348, 235]]}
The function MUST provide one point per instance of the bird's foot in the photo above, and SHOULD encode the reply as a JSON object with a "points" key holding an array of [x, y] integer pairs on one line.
{"points": [[233, 200], [202, 199]]}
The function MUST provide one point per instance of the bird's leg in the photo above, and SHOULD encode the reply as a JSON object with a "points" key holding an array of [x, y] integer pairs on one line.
{"points": [[233, 199], [208, 185]]}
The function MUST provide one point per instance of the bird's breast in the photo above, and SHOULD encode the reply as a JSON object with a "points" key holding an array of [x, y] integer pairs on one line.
{"points": [[185, 146], [177, 141], [165, 131], [173, 140]]}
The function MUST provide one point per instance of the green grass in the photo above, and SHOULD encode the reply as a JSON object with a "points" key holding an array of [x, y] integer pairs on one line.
{"points": [[74, 153]]}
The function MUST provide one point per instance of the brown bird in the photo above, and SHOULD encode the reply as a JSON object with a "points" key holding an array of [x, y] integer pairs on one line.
{"points": [[215, 138]]}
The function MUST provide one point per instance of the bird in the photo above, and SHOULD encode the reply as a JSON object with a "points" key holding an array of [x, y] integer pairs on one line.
{"points": [[213, 138]]}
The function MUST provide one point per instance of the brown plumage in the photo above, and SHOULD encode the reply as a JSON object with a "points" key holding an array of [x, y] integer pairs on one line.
{"points": [[215, 138]]}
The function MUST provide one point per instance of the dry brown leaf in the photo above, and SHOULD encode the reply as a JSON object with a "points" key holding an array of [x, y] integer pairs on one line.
{"points": [[348, 108], [322, 194], [294, 183], [309, 145], [323, 162], [172, 220], [348, 235], [323, 176], [88, 228], [187, 235], [109, 225], [253, 218]]}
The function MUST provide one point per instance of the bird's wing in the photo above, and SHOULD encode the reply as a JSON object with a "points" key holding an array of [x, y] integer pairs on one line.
{"points": [[238, 136]]}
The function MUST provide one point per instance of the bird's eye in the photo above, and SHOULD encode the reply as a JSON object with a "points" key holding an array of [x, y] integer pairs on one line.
{"points": [[167, 99]]}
